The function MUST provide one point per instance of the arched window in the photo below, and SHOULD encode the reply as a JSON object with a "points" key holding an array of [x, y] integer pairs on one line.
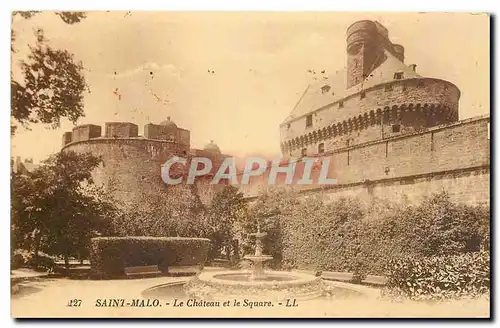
{"points": [[303, 153]]}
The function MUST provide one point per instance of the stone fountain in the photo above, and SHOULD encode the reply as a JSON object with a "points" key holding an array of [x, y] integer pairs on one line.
{"points": [[258, 258], [278, 285], [281, 286]]}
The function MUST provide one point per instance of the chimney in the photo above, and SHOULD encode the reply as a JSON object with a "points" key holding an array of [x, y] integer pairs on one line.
{"points": [[413, 67]]}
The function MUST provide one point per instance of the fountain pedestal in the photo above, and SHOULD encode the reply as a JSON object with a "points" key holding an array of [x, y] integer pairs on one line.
{"points": [[258, 258], [268, 285]]}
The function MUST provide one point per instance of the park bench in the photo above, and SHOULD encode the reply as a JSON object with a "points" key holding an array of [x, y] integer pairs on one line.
{"points": [[144, 270], [375, 280], [338, 276], [185, 269]]}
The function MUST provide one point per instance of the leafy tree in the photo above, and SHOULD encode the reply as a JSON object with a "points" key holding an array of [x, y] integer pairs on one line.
{"points": [[60, 206], [69, 17], [52, 82], [439, 226], [269, 213], [227, 211], [167, 210]]}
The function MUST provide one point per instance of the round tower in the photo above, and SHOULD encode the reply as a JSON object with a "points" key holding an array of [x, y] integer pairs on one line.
{"points": [[364, 51]]}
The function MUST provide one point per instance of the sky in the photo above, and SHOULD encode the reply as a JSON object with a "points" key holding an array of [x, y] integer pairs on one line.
{"points": [[234, 77]]}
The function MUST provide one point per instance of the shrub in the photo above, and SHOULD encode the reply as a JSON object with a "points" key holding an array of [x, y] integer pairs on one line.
{"points": [[41, 262], [110, 255], [440, 277], [326, 236], [273, 207], [347, 235], [24, 258], [17, 261]]}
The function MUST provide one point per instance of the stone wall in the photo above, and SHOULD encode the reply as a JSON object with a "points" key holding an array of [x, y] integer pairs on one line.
{"points": [[120, 130], [465, 186], [85, 132], [404, 160], [131, 167]]}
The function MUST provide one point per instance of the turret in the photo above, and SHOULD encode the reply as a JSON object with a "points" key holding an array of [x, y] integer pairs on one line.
{"points": [[399, 52], [364, 51]]}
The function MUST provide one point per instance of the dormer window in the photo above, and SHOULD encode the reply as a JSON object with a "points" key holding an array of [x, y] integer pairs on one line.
{"points": [[309, 120], [362, 95], [398, 75], [341, 104], [321, 148], [325, 88]]}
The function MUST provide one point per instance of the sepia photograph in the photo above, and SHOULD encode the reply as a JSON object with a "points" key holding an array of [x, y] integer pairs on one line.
{"points": [[250, 164]]}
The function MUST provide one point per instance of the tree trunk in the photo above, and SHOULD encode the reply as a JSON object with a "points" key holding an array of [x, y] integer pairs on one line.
{"points": [[36, 246], [66, 263]]}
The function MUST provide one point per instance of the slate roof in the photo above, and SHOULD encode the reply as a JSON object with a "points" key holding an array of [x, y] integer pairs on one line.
{"points": [[314, 98]]}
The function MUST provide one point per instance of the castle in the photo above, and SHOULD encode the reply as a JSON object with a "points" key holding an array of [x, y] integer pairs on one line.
{"points": [[131, 167], [388, 131]]}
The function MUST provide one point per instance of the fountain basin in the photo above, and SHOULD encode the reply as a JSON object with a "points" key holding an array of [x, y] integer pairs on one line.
{"points": [[258, 258], [333, 291], [274, 286], [273, 279]]}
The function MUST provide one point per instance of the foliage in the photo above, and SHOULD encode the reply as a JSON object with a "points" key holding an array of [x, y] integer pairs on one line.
{"points": [[110, 255], [346, 235], [57, 208], [23, 258], [272, 208], [168, 210], [436, 278], [326, 236], [225, 214], [69, 17], [439, 226], [52, 86], [52, 83]]}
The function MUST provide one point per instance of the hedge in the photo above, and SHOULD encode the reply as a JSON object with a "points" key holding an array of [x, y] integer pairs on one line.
{"points": [[344, 234], [110, 255], [440, 277]]}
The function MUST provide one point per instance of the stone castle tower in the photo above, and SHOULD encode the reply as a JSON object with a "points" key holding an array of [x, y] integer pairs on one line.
{"points": [[131, 167], [389, 131]]}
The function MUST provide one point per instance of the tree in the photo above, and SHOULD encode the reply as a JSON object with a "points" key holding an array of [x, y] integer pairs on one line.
{"points": [[52, 82], [271, 209], [60, 205], [165, 210], [69, 17], [227, 211]]}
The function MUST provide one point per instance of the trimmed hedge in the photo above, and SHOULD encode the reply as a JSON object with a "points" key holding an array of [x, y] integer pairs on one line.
{"points": [[110, 255], [344, 234], [440, 277]]}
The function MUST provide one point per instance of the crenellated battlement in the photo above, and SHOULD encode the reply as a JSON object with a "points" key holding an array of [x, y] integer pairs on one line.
{"points": [[166, 131]]}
